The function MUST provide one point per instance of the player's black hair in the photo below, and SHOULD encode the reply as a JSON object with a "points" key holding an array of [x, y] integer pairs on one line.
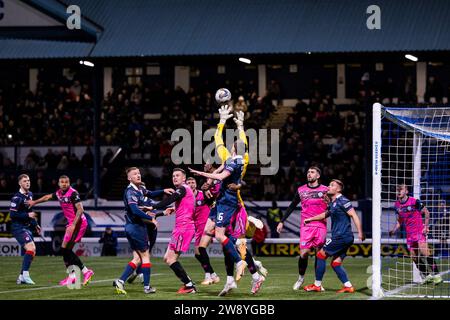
{"points": [[190, 178], [64, 177], [403, 185], [316, 168]]}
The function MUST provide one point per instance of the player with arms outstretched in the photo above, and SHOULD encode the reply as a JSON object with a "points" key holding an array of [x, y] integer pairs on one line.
{"points": [[312, 199], [23, 223], [409, 212], [70, 202], [340, 210]]}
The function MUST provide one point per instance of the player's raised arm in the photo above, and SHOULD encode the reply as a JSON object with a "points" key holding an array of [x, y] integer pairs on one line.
{"points": [[239, 120], [288, 212], [179, 193], [47, 197], [357, 222], [222, 151], [215, 176]]}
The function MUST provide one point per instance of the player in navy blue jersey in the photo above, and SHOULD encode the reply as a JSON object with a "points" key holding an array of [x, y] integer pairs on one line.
{"points": [[341, 211], [152, 228], [23, 223], [136, 232]]}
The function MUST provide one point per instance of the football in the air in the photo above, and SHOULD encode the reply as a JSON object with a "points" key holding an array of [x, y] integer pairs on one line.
{"points": [[223, 95]]}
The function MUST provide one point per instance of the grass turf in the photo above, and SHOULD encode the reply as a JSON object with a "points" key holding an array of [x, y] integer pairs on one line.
{"points": [[48, 271]]}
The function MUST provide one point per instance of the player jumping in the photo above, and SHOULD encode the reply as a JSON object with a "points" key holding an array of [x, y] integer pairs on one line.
{"points": [[227, 201], [23, 223], [70, 202], [312, 199], [340, 210], [409, 212]]}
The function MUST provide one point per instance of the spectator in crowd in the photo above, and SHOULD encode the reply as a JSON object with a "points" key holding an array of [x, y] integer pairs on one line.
{"points": [[434, 90], [63, 164], [110, 243], [88, 158], [80, 186], [274, 216]]}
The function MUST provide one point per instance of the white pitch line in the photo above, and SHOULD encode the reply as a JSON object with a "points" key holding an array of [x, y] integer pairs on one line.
{"points": [[58, 286], [393, 293]]}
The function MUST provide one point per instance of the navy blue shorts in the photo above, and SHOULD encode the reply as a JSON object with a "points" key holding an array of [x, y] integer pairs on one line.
{"points": [[137, 237], [23, 236], [152, 233], [338, 247], [225, 210], [213, 213]]}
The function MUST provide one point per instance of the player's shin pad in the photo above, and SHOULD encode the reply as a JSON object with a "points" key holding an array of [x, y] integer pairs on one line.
{"points": [[241, 245]]}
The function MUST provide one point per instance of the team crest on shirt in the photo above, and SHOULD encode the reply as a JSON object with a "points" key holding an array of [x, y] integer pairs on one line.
{"points": [[199, 202], [409, 208], [320, 194]]}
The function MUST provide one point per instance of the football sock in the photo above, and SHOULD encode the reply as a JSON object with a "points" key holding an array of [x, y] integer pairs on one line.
{"points": [[340, 271], [128, 271], [27, 259], [229, 247], [180, 272], [302, 265], [146, 270]]}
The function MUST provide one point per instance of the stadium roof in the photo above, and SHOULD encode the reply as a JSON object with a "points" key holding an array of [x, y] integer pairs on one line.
{"points": [[116, 28]]}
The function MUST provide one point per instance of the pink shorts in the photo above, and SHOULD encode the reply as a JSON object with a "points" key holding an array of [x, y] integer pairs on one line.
{"points": [[238, 223], [413, 241], [200, 219], [181, 239], [312, 237], [78, 232]]}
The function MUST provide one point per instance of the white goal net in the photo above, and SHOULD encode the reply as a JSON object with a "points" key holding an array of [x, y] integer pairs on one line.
{"points": [[411, 148]]}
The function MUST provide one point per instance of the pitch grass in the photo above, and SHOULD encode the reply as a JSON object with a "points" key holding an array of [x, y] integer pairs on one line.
{"points": [[48, 271]]}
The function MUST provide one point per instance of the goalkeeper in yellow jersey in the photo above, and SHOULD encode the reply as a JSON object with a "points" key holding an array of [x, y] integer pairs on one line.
{"points": [[238, 223]]}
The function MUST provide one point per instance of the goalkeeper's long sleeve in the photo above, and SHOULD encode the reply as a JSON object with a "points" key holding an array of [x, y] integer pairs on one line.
{"points": [[291, 207], [221, 149]]}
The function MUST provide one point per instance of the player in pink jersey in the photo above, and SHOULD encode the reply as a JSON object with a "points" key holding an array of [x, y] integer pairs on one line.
{"points": [[72, 208], [313, 201], [409, 213], [201, 214], [184, 230], [211, 189]]}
